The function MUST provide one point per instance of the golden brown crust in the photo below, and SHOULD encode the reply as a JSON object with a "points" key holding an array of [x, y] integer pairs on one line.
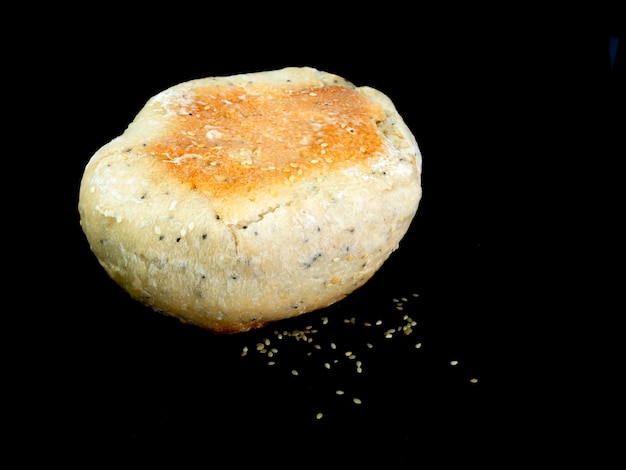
{"points": [[229, 141]]}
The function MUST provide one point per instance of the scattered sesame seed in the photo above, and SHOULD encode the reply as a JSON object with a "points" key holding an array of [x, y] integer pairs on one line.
{"points": [[399, 323]]}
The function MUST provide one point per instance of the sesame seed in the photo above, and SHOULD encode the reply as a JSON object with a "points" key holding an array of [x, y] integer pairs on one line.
{"points": [[357, 401], [454, 363], [294, 372], [339, 392], [319, 415], [418, 345], [473, 380]]}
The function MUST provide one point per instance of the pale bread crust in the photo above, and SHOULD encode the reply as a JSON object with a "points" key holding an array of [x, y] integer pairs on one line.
{"points": [[231, 263]]}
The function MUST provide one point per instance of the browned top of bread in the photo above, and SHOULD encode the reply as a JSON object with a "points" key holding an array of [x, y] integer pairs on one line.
{"points": [[232, 140]]}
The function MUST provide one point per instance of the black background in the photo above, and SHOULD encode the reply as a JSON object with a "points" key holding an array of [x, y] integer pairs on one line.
{"points": [[488, 102]]}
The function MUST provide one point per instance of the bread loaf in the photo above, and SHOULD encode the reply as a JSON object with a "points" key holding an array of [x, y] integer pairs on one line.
{"points": [[230, 202]]}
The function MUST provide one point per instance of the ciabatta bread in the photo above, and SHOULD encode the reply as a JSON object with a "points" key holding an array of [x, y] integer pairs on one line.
{"points": [[231, 202]]}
